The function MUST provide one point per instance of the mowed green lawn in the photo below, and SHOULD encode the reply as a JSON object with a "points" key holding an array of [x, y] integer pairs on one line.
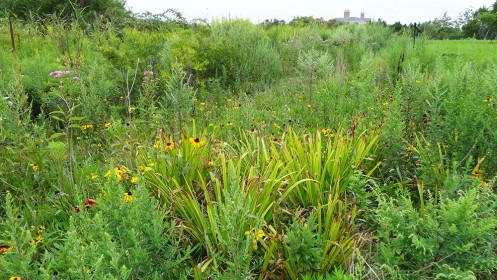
{"points": [[468, 50]]}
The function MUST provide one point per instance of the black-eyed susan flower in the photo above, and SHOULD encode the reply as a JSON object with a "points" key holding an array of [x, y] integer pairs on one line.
{"points": [[169, 145], [128, 197], [41, 229], [107, 124], [229, 123], [39, 239], [76, 209], [34, 166], [15, 278], [488, 100], [119, 173], [196, 142], [134, 179]]}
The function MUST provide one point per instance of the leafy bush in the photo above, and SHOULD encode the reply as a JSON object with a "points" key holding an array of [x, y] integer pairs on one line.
{"points": [[452, 237]]}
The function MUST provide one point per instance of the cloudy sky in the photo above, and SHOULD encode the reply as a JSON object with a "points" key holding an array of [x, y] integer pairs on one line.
{"points": [[405, 11]]}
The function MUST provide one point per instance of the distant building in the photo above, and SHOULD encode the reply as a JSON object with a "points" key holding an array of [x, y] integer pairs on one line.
{"points": [[348, 18]]}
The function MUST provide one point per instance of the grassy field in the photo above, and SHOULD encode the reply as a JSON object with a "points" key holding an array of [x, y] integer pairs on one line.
{"points": [[233, 151], [483, 52]]}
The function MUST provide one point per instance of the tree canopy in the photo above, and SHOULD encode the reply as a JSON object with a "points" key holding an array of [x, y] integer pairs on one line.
{"points": [[24, 9]]}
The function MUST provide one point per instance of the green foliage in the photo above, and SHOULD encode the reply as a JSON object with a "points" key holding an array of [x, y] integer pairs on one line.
{"points": [[304, 246], [313, 66], [262, 144], [110, 9], [452, 237], [115, 239], [241, 56]]}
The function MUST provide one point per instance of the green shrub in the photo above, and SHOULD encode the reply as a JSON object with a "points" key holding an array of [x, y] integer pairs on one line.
{"points": [[118, 237], [452, 237]]}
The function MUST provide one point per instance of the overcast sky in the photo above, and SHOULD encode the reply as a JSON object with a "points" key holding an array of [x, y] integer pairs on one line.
{"points": [[405, 11]]}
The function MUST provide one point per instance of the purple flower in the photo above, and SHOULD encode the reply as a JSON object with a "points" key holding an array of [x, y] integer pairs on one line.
{"points": [[58, 74]]}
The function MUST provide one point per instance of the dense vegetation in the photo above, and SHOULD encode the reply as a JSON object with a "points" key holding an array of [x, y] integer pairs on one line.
{"points": [[166, 150]]}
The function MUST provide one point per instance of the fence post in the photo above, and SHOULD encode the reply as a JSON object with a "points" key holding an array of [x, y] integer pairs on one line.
{"points": [[414, 35], [12, 34]]}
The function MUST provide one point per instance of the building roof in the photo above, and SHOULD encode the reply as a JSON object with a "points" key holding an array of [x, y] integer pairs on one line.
{"points": [[353, 19]]}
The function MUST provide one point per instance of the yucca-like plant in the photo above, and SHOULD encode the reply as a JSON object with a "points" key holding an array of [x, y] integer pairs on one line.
{"points": [[330, 164]]}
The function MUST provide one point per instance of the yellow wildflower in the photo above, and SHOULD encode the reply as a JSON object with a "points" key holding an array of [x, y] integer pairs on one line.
{"points": [[86, 126], [169, 145], [134, 179], [128, 197], [35, 166], [39, 239], [196, 142], [41, 229]]}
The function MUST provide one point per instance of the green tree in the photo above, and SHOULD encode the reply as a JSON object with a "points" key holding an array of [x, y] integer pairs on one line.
{"points": [[481, 24], [488, 23], [23, 9]]}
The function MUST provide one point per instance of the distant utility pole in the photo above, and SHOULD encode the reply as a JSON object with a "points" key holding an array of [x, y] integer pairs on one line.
{"points": [[414, 34]]}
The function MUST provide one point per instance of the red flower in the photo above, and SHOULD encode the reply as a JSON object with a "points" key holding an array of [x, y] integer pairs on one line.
{"points": [[89, 203], [5, 248]]}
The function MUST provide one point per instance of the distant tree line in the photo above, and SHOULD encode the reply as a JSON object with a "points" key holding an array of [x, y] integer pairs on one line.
{"points": [[480, 24], [36, 9]]}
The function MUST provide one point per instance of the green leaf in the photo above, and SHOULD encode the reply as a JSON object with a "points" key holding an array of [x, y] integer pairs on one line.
{"points": [[75, 119], [57, 118], [55, 135]]}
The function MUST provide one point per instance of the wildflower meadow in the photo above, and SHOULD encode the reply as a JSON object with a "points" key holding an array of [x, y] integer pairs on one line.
{"points": [[234, 150]]}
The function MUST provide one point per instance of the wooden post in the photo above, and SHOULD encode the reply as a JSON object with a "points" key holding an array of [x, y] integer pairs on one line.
{"points": [[414, 35], [12, 34]]}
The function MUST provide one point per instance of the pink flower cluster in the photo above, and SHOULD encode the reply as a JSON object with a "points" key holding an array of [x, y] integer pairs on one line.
{"points": [[148, 75], [58, 74]]}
